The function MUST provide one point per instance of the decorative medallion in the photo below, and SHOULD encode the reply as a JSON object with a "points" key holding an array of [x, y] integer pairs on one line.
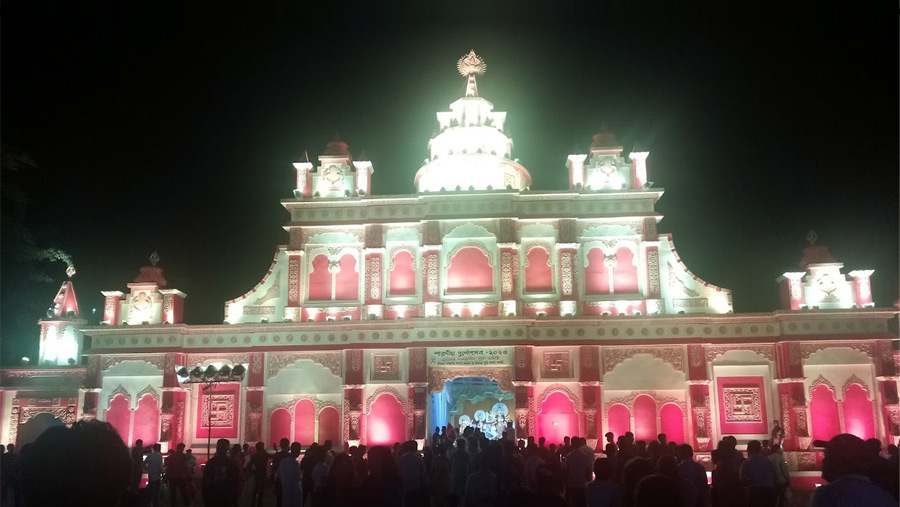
{"points": [[742, 404], [471, 64]]}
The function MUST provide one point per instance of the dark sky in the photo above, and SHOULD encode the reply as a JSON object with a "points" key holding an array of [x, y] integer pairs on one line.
{"points": [[170, 132]]}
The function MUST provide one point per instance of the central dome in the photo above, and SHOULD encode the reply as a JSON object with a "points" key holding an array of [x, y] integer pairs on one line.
{"points": [[471, 152]]}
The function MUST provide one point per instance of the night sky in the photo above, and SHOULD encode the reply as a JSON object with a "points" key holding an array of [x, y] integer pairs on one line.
{"points": [[169, 132]]}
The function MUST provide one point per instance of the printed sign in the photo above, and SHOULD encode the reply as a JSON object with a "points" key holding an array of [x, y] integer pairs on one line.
{"points": [[471, 356]]}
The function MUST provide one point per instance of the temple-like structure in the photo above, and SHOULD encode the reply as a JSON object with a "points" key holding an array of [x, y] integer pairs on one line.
{"points": [[473, 301]]}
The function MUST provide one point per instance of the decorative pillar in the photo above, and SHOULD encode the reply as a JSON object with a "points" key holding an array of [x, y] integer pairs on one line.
{"points": [[862, 287], [589, 378], [887, 376], [173, 306], [111, 306], [568, 292], [304, 183], [575, 163], [638, 168], [509, 266], [700, 412], [431, 292], [171, 428], [523, 380], [292, 312], [254, 398], [374, 285], [364, 172], [418, 391], [791, 290], [792, 397], [353, 396]]}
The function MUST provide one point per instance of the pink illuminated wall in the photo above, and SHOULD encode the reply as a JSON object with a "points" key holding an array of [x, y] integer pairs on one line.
{"points": [[320, 279], [625, 277], [671, 420], [470, 271], [538, 272], [119, 416], [403, 275], [557, 418], [305, 422], [619, 419], [146, 420], [329, 425], [596, 276], [385, 422], [346, 281], [280, 425], [823, 410], [859, 418], [645, 418]]}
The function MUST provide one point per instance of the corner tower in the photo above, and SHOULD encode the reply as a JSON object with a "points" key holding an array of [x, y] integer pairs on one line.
{"points": [[471, 152], [61, 336]]}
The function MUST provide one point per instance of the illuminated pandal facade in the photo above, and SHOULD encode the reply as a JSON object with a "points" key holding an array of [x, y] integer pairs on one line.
{"points": [[385, 316]]}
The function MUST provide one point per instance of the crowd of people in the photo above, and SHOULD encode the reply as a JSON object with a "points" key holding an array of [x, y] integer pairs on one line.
{"points": [[89, 465]]}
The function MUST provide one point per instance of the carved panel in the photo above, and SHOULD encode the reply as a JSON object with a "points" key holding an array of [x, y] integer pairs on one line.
{"points": [[565, 267], [856, 380], [556, 364], [628, 400], [386, 366], [506, 274], [653, 271], [217, 410], [393, 392], [439, 376], [374, 269], [613, 356], [714, 351], [742, 404], [156, 360], [808, 349], [432, 274], [330, 360], [64, 414], [294, 281]]}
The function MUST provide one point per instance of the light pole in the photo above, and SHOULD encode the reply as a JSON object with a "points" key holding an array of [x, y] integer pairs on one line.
{"points": [[210, 377]]}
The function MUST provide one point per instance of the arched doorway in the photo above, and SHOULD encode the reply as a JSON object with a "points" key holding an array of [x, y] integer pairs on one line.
{"points": [[385, 421], [557, 418]]}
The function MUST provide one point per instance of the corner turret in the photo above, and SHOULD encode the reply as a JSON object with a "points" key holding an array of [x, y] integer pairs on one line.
{"points": [[148, 301], [61, 337]]}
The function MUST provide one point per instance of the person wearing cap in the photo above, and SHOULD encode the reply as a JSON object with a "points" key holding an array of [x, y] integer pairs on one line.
{"points": [[844, 467]]}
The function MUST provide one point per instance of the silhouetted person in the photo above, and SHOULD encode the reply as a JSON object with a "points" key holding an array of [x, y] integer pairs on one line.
{"points": [[276, 460], [382, 488], [137, 466], [782, 474], [289, 477], [340, 482], [11, 476], [844, 467], [459, 468], [879, 469], [667, 466], [693, 471], [414, 474], [85, 465], [657, 491], [602, 491], [220, 478], [178, 476], [636, 469], [758, 474], [154, 462], [259, 470], [726, 483], [578, 471]]}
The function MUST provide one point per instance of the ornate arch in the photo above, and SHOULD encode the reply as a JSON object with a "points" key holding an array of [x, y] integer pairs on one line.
{"points": [[610, 247], [531, 245], [438, 376], [158, 360], [628, 400], [145, 391], [291, 403], [116, 392], [472, 244], [557, 388], [387, 390], [328, 360], [411, 248], [858, 381], [820, 380]]}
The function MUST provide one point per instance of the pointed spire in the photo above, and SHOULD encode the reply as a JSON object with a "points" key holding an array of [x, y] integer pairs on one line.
{"points": [[468, 66], [65, 304]]}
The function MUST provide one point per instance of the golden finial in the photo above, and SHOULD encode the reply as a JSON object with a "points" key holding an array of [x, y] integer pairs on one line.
{"points": [[471, 64]]}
